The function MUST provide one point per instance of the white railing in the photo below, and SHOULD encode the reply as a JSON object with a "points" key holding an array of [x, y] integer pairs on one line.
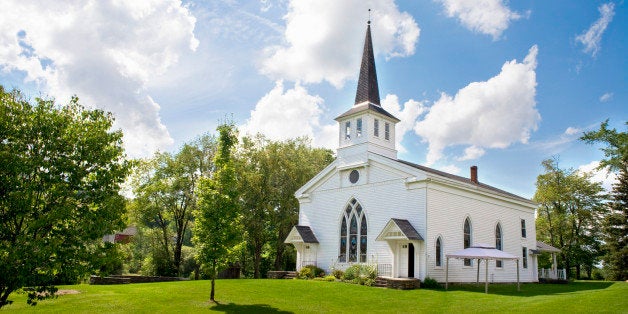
{"points": [[384, 270], [308, 263], [560, 274]]}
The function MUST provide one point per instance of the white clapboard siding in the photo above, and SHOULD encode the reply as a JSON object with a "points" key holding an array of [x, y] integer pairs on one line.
{"points": [[448, 209]]}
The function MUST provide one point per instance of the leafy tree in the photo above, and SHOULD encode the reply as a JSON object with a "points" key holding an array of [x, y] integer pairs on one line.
{"points": [[61, 168], [254, 173], [165, 198], [616, 150], [216, 229], [295, 163], [570, 208], [615, 224]]}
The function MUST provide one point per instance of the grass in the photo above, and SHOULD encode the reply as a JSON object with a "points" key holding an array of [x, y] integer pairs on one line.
{"points": [[301, 296]]}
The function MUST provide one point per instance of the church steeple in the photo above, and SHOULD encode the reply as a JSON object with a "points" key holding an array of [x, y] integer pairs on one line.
{"points": [[368, 89], [367, 127]]}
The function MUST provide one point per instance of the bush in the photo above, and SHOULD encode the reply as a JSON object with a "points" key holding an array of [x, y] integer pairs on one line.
{"points": [[430, 283], [338, 273], [310, 272], [329, 278], [359, 273]]}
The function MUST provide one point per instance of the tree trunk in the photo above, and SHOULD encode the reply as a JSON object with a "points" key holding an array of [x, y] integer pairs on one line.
{"points": [[211, 294], [257, 260], [578, 271]]}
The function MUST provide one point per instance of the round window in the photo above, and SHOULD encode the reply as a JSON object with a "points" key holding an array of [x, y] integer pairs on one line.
{"points": [[354, 176]]}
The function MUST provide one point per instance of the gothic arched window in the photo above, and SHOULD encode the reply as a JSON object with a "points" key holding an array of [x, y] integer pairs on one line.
{"points": [[467, 239], [353, 234], [499, 242], [439, 252]]}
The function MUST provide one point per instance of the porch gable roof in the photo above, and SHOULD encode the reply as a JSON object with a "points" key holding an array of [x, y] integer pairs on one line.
{"points": [[301, 234], [399, 229]]}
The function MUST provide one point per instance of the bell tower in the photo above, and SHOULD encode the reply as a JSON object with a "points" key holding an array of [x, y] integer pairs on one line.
{"points": [[366, 127]]}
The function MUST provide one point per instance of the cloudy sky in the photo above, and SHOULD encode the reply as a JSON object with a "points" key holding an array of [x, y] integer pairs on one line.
{"points": [[498, 84]]}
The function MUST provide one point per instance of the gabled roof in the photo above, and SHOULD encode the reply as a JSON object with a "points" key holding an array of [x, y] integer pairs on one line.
{"points": [[368, 89], [464, 180], [302, 234], [399, 229], [544, 247], [367, 106]]}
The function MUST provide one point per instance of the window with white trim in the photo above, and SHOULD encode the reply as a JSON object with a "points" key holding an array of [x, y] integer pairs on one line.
{"points": [[358, 127], [524, 251], [376, 128], [387, 131], [439, 252], [467, 239], [499, 242], [348, 130], [523, 228], [353, 234]]}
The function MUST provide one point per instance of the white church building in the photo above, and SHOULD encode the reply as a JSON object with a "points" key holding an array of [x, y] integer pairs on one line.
{"points": [[370, 207]]}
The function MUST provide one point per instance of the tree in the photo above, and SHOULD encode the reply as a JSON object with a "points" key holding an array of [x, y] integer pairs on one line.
{"points": [[570, 208], [165, 197], [616, 150], [216, 229], [615, 224], [615, 230], [61, 168], [295, 163]]}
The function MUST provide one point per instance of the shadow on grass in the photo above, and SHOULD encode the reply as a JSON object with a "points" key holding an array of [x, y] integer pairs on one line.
{"points": [[532, 289], [247, 308]]}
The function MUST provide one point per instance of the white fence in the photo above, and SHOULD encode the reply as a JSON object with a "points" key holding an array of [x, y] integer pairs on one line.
{"points": [[560, 274]]}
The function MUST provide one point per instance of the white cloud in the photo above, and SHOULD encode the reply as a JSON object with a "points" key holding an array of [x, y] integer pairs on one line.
{"points": [[450, 169], [571, 131], [323, 39], [600, 175], [490, 17], [606, 97], [411, 111], [490, 114], [591, 37], [285, 114], [103, 51], [471, 153]]}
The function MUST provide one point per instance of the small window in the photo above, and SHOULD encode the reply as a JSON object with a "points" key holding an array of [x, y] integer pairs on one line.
{"points": [[498, 243], [354, 176], [358, 127], [348, 130], [524, 251], [467, 239], [523, 228], [387, 131], [376, 128], [439, 253]]}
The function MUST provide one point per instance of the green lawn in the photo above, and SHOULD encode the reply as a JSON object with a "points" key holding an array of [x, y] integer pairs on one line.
{"points": [[300, 296]]}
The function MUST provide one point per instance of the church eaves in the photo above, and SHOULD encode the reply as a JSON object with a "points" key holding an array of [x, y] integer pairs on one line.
{"points": [[368, 89]]}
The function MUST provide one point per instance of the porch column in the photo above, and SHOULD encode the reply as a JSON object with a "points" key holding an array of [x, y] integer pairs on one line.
{"points": [[446, 272], [485, 276]]}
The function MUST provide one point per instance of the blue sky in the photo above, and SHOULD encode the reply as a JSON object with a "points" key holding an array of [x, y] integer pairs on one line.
{"points": [[498, 84]]}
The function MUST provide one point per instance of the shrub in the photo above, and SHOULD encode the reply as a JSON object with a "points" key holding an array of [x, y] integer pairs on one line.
{"points": [[359, 273], [329, 278], [430, 283], [338, 273], [310, 272]]}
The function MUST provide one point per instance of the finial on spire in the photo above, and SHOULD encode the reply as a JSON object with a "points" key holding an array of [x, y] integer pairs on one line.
{"points": [[369, 21]]}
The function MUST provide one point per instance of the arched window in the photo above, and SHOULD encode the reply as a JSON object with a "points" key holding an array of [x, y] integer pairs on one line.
{"points": [[439, 252], [467, 239], [354, 230], [499, 241]]}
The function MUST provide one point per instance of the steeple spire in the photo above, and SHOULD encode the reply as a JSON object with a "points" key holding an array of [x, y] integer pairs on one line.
{"points": [[367, 83]]}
